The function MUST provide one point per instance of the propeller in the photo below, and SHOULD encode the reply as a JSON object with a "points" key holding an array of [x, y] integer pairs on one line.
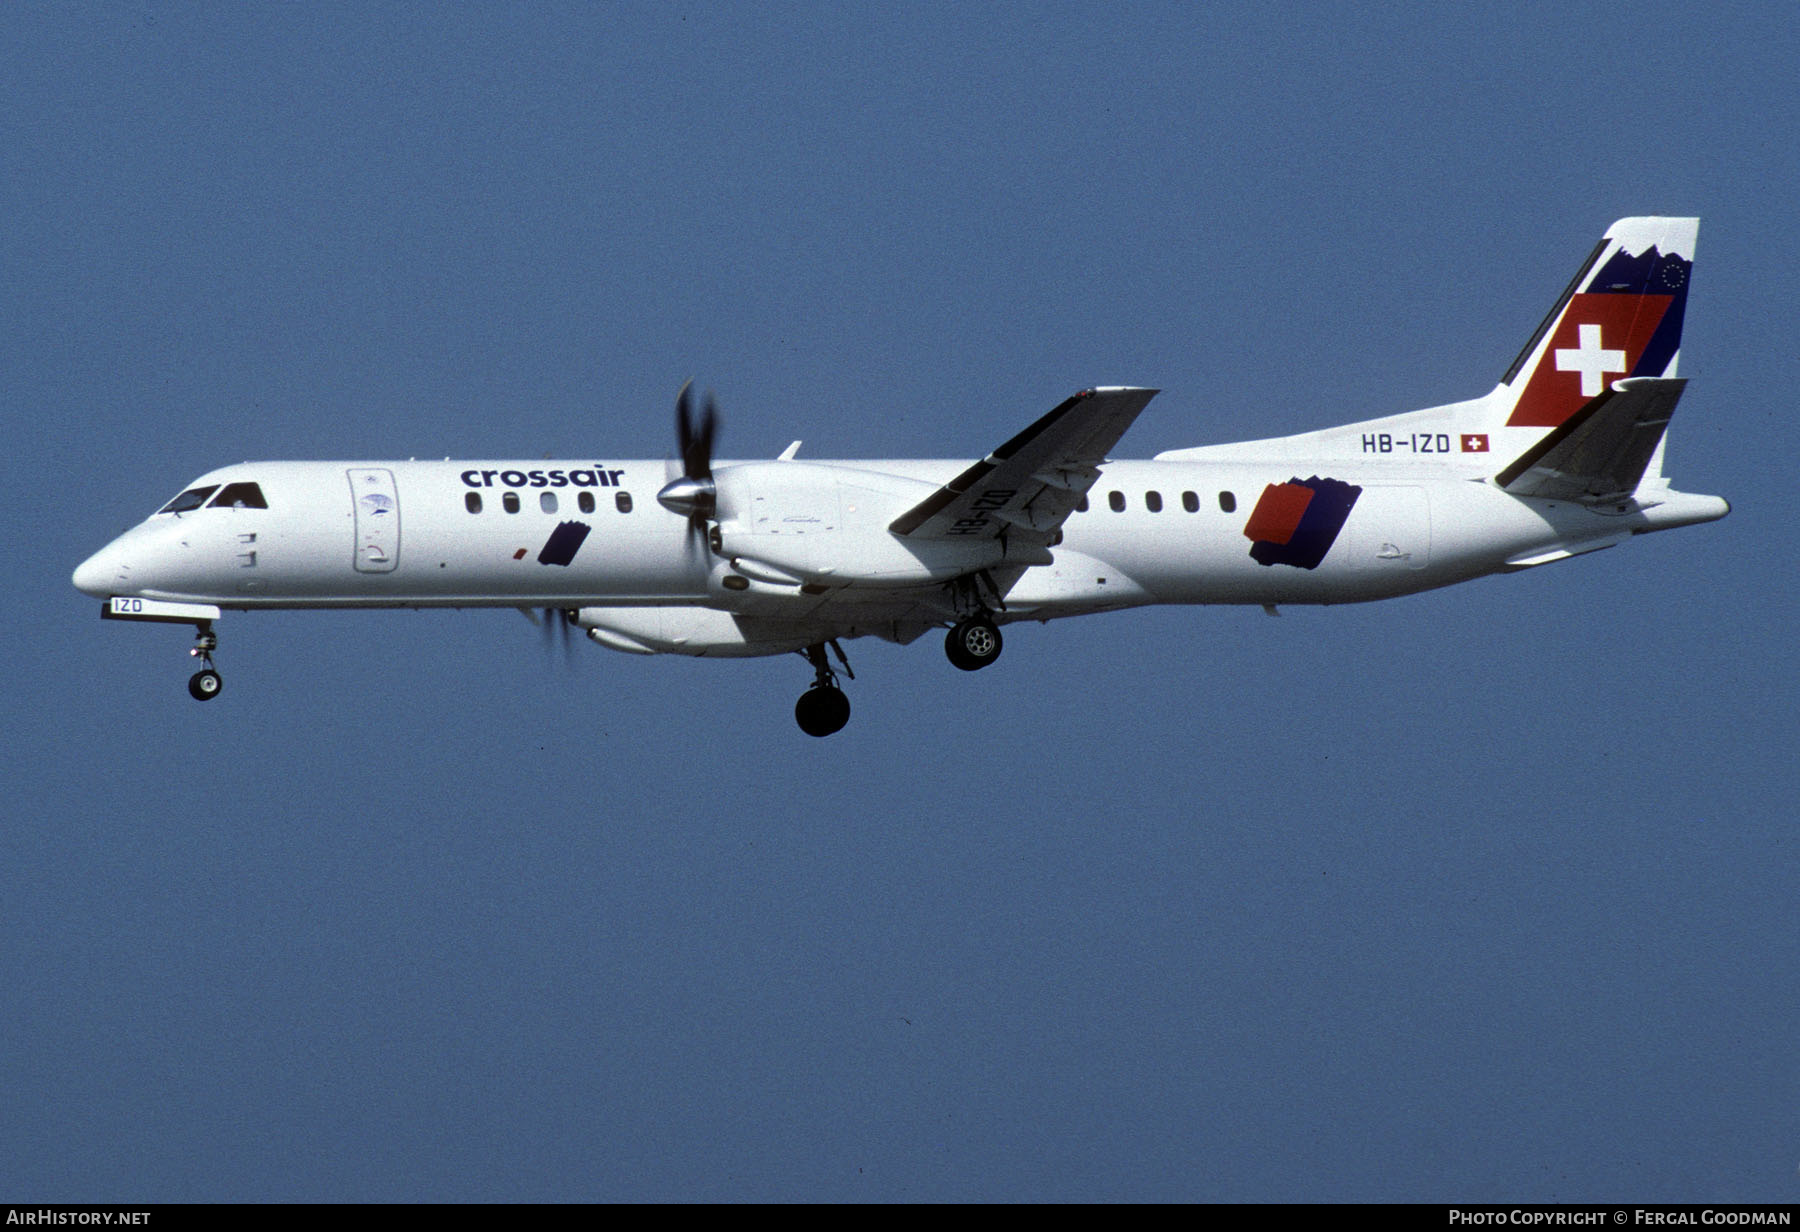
{"points": [[694, 495], [696, 440], [558, 624]]}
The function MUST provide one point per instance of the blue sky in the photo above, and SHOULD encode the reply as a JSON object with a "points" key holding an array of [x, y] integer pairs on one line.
{"points": [[1484, 894]]}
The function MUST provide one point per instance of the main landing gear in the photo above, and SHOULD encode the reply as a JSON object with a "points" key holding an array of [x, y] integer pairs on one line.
{"points": [[204, 685], [823, 708], [973, 643]]}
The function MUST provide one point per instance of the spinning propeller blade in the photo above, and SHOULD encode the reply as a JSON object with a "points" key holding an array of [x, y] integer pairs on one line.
{"points": [[696, 440], [694, 495], [558, 625]]}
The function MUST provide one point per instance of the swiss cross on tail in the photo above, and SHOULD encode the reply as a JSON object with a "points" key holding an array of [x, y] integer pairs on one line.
{"points": [[1620, 318]]}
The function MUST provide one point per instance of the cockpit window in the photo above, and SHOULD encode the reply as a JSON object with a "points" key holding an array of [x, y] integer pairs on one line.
{"points": [[239, 496], [193, 498]]}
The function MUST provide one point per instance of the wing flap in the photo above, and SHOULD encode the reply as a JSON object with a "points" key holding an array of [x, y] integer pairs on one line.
{"points": [[1029, 486]]}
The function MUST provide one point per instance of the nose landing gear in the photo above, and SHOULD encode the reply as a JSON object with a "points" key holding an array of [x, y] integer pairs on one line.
{"points": [[204, 685]]}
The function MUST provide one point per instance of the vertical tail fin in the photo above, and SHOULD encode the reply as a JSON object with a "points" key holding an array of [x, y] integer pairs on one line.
{"points": [[1621, 317]]}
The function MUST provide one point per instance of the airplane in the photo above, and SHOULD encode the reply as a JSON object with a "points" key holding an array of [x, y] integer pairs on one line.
{"points": [[730, 559]]}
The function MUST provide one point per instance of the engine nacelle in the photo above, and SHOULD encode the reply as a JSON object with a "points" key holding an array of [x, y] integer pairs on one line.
{"points": [[828, 525], [699, 631]]}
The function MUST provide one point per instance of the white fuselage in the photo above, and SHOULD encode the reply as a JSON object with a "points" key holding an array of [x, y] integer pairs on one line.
{"points": [[735, 559], [464, 534]]}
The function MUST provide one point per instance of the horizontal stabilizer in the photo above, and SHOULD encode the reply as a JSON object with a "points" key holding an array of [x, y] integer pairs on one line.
{"points": [[1600, 452]]}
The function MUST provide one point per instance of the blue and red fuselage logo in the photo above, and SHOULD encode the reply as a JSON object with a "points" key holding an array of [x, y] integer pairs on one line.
{"points": [[1295, 523]]}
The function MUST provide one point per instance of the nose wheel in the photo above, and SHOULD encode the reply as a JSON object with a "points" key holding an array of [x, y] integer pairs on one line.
{"points": [[204, 685]]}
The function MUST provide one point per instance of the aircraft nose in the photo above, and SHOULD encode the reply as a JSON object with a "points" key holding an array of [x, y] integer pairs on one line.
{"points": [[100, 574]]}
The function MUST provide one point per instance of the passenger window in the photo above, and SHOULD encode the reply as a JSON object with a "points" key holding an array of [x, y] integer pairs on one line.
{"points": [[623, 501], [472, 501], [1153, 501], [510, 502], [1190, 501], [547, 502], [193, 498], [586, 500], [1227, 502], [1117, 501], [1081, 506], [239, 496]]}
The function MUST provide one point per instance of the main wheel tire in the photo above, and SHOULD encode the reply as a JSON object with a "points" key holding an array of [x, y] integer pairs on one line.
{"points": [[973, 644], [822, 710], [203, 686]]}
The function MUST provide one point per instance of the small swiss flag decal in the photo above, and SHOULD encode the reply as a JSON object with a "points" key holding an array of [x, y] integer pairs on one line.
{"points": [[1474, 442]]}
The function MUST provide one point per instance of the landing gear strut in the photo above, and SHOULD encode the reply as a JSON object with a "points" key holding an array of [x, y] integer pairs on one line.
{"points": [[204, 685], [973, 643], [823, 708]]}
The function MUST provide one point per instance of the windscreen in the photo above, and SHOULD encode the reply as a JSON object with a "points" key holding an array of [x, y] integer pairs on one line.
{"points": [[193, 498]]}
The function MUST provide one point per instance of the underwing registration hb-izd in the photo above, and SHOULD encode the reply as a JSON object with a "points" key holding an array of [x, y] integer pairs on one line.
{"points": [[729, 559]]}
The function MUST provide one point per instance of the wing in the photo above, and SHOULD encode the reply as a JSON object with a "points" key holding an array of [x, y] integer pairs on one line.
{"points": [[1028, 486], [1600, 452]]}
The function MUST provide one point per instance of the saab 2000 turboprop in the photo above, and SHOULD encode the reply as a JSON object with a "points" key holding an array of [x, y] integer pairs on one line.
{"points": [[731, 559]]}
